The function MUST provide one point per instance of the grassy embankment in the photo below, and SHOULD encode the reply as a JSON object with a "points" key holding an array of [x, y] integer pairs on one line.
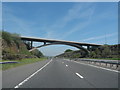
{"points": [[20, 62], [14, 49]]}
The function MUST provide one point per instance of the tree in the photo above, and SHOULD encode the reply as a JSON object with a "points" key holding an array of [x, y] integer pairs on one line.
{"points": [[37, 53], [106, 51], [68, 50]]}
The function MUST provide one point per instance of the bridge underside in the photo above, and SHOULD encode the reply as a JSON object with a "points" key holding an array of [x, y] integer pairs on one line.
{"points": [[55, 42], [86, 50]]}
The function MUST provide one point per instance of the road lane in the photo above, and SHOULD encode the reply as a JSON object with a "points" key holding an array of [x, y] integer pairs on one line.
{"points": [[100, 78], [24, 81], [56, 75], [11, 77], [60, 74]]}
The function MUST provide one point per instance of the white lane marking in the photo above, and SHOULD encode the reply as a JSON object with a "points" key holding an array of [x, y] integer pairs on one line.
{"points": [[95, 66], [17, 86], [62, 62], [79, 75], [66, 65]]}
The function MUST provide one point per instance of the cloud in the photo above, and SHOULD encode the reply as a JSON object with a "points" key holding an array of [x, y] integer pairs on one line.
{"points": [[99, 37], [108, 41], [51, 35], [16, 24], [74, 13], [84, 15], [80, 12], [91, 19]]}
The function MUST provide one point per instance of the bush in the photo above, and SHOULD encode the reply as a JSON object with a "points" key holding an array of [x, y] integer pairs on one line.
{"points": [[37, 53], [7, 37], [68, 50], [16, 39], [10, 38]]}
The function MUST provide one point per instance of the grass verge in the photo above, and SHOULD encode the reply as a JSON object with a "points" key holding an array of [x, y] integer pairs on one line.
{"points": [[20, 62]]}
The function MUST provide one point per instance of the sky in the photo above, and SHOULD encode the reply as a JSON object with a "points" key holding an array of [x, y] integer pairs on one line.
{"points": [[88, 22]]}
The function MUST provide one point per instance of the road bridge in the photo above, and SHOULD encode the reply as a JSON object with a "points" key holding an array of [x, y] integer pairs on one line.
{"points": [[47, 42]]}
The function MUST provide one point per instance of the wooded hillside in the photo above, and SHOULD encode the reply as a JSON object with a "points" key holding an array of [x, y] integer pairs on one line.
{"points": [[105, 51]]}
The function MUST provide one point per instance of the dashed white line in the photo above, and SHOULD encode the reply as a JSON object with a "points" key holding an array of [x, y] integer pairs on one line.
{"points": [[95, 66], [66, 65], [79, 75], [17, 86], [62, 62]]}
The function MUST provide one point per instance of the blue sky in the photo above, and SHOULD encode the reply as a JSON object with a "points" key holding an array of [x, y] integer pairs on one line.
{"points": [[89, 22]]}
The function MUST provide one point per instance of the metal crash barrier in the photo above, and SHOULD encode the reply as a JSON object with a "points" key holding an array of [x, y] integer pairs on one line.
{"points": [[106, 63]]}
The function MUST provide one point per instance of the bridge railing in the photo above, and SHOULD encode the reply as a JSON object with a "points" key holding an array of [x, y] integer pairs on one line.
{"points": [[115, 64]]}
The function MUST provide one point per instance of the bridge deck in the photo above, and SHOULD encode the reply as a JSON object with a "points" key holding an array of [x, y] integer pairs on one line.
{"points": [[52, 41]]}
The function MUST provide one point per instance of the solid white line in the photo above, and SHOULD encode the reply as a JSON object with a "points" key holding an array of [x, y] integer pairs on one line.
{"points": [[17, 86], [79, 75], [66, 65]]}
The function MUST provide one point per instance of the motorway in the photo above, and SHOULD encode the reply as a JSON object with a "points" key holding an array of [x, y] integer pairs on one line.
{"points": [[59, 73]]}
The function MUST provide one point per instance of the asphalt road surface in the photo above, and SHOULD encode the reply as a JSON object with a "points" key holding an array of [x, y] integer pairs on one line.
{"points": [[59, 73]]}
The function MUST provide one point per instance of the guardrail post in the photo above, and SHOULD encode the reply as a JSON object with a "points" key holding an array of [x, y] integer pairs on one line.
{"points": [[106, 64], [100, 63], [110, 65], [116, 66]]}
